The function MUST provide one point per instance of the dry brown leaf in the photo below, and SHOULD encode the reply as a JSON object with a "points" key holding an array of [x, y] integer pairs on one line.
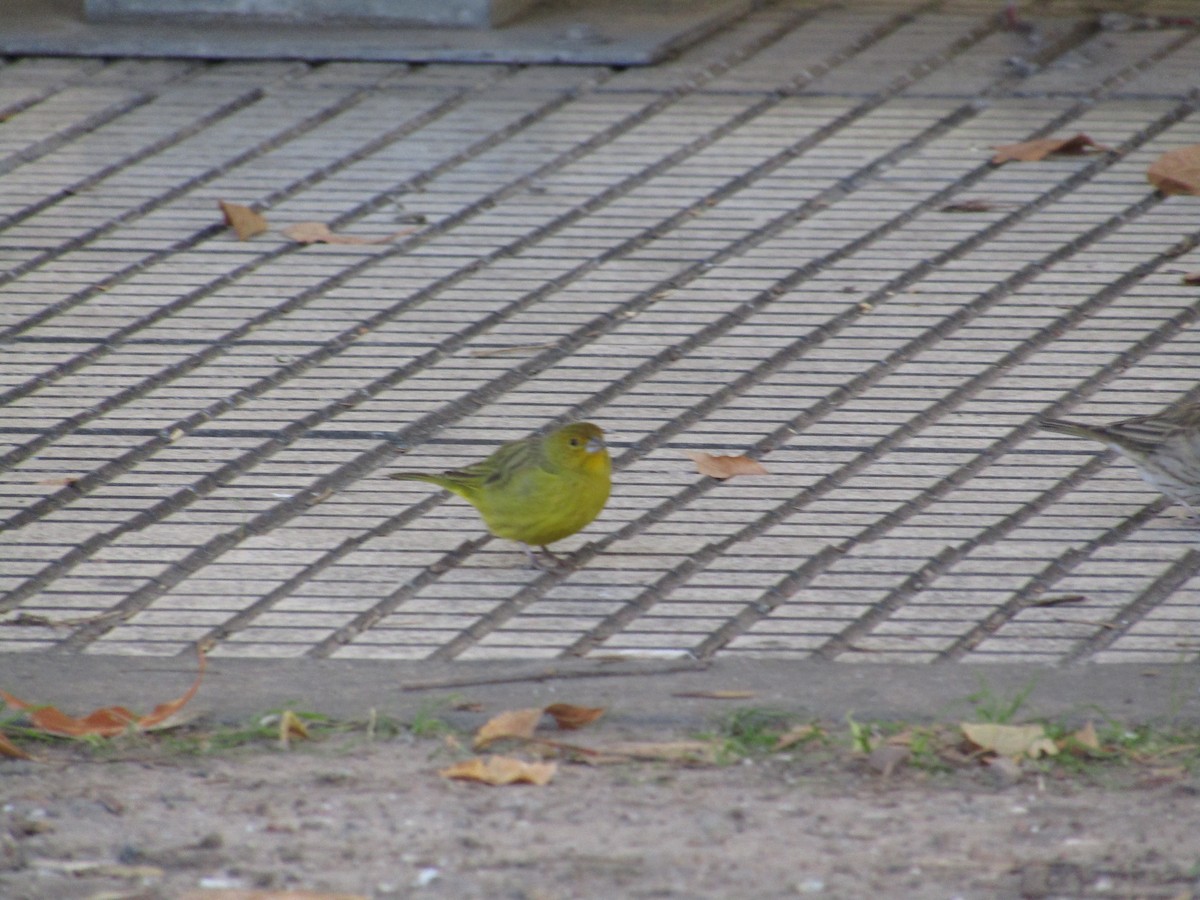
{"points": [[723, 467], [569, 717], [1085, 739], [291, 726], [319, 233], [243, 220], [64, 481], [1191, 278], [106, 722], [11, 750], [1176, 171], [499, 770], [518, 724], [795, 735], [1058, 600], [716, 695], [1036, 150], [1010, 740], [968, 206], [34, 620]]}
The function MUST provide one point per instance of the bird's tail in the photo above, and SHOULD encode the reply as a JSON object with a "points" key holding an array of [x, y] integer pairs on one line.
{"points": [[1062, 426], [452, 481], [416, 476]]}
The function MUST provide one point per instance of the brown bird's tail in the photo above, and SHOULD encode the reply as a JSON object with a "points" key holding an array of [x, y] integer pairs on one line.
{"points": [[1062, 426]]}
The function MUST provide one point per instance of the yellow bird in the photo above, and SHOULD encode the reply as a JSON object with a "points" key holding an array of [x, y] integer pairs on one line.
{"points": [[537, 490]]}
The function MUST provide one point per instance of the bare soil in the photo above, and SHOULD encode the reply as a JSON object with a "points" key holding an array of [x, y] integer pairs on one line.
{"points": [[372, 818]]}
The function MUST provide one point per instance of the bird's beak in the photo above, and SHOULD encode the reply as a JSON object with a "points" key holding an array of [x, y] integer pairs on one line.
{"points": [[594, 445]]}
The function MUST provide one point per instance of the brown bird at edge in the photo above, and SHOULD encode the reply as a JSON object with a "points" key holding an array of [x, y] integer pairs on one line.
{"points": [[1165, 447]]}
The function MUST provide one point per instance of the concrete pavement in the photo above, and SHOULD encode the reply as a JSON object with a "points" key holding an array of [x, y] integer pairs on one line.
{"points": [[758, 247]]}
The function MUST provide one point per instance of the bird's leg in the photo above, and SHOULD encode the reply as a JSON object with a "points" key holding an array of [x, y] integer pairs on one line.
{"points": [[537, 563]]}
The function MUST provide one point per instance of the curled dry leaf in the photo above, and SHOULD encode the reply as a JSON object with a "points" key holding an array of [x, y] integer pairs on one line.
{"points": [[723, 467], [1176, 171], [243, 220], [1191, 278], [1033, 151], [569, 717], [499, 770], [1085, 739], [64, 481], [291, 726], [106, 722], [1058, 600], [976, 205], [11, 750], [319, 233], [518, 724], [1013, 741]]}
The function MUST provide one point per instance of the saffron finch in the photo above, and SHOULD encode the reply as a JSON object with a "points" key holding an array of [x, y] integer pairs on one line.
{"points": [[537, 490], [1165, 447]]}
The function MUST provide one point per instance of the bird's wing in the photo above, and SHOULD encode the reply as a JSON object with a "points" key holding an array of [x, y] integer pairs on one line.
{"points": [[499, 468], [1146, 433]]}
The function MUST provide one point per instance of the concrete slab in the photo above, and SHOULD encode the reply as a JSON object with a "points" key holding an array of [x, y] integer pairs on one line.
{"points": [[664, 695], [581, 32], [757, 247]]}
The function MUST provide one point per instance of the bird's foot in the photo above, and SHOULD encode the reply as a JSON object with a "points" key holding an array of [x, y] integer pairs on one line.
{"points": [[547, 561]]}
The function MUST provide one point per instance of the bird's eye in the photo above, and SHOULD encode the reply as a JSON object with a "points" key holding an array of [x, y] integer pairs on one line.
{"points": [[574, 442]]}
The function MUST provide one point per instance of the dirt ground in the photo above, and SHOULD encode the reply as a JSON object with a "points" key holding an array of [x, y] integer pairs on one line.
{"points": [[372, 818]]}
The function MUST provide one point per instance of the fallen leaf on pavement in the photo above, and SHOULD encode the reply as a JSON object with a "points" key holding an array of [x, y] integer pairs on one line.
{"points": [[1058, 600], [569, 717], [1010, 740], [106, 722], [11, 750], [499, 770], [243, 220], [1176, 171], [319, 233], [969, 206], [1085, 739], [291, 726], [723, 467], [516, 724], [1036, 150]]}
